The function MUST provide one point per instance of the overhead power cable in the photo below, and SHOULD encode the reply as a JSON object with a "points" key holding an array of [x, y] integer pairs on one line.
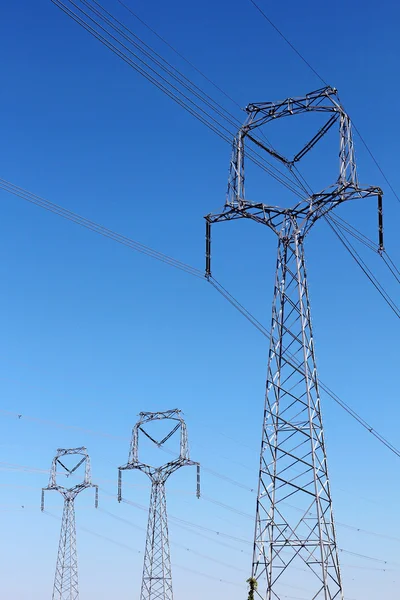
{"points": [[309, 65], [363, 239], [196, 527], [161, 64], [66, 214], [103, 19], [391, 266], [126, 547], [358, 235], [339, 225], [249, 543], [100, 229], [288, 42], [376, 162], [361, 263], [190, 524], [108, 21], [119, 27], [190, 550], [179, 521], [188, 569], [350, 411], [177, 544], [115, 36], [193, 66]]}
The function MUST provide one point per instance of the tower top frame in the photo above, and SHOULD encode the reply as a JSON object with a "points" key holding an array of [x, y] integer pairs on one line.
{"points": [[164, 471], [313, 206], [70, 493]]}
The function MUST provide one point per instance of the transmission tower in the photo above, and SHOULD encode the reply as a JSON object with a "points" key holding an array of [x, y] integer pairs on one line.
{"points": [[157, 576], [66, 577], [294, 527]]}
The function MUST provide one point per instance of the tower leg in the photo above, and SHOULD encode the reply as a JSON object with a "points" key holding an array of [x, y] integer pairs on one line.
{"points": [[66, 577], [157, 577], [294, 529]]}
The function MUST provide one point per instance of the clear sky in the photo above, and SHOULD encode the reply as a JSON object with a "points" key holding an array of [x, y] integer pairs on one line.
{"points": [[93, 333]]}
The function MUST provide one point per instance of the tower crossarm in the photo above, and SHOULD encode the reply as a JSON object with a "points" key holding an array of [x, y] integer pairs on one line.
{"points": [[72, 492], [162, 472], [306, 212]]}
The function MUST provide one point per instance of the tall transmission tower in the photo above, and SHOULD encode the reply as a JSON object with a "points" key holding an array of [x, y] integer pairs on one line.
{"points": [[294, 527], [157, 575], [66, 576]]}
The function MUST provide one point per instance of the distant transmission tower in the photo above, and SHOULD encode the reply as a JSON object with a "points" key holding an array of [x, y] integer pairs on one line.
{"points": [[294, 527], [157, 577], [66, 577]]}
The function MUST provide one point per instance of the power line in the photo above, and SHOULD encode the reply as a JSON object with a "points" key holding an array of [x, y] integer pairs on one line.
{"points": [[126, 547], [179, 77], [309, 65], [353, 231], [158, 60], [358, 235], [172, 542], [190, 550], [217, 87], [107, 21], [392, 263], [289, 43], [362, 238], [391, 266], [376, 163], [183, 101], [163, 83], [179, 522], [191, 526], [350, 411], [137, 246], [100, 229], [359, 555], [378, 286], [337, 223]]}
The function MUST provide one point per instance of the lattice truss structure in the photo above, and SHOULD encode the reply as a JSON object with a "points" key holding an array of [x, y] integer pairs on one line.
{"points": [[157, 574], [294, 527], [66, 577]]}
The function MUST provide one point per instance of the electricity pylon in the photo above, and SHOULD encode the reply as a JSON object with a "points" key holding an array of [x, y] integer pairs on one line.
{"points": [[66, 577], [157, 576], [294, 527]]}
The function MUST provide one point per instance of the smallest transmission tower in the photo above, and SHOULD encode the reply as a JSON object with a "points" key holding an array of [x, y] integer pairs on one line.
{"points": [[157, 576], [66, 577]]}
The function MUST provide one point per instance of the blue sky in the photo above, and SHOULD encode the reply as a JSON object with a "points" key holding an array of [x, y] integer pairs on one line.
{"points": [[93, 333]]}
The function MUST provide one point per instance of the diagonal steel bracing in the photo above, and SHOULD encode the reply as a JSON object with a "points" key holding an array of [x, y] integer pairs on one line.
{"points": [[66, 576], [294, 521], [157, 575], [294, 534]]}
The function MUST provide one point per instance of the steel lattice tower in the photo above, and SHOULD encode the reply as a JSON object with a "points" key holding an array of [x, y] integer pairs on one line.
{"points": [[294, 526], [66, 576], [157, 576]]}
